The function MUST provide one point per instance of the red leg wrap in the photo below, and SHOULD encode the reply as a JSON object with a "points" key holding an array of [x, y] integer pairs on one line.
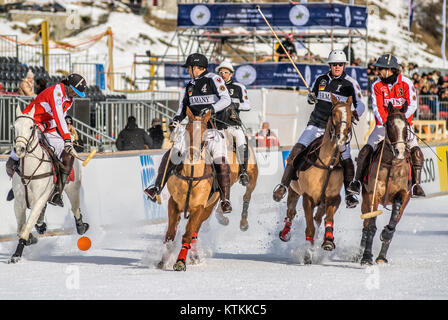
{"points": [[310, 239], [183, 252]]}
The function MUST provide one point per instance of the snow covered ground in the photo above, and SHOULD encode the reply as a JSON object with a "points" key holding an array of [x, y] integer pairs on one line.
{"points": [[238, 265]]}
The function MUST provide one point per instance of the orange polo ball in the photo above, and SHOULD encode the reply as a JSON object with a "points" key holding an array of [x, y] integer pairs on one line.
{"points": [[84, 243]]}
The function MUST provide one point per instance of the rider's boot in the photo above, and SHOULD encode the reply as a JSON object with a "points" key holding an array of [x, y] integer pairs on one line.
{"points": [[223, 177], [11, 167], [351, 200], [66, 169], [288, 174], [156, 188], [417, 164], [362, 163], [243, 155]]}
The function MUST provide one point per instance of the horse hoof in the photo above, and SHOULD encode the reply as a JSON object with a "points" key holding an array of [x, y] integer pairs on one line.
{"points": [[244, 224], [161, 265], [31, 240], [41, 229], [367, 260], [180, 266], [285, 237], [222, 219], [82, 228], [14, 259], [381, 259], [328, 245]]}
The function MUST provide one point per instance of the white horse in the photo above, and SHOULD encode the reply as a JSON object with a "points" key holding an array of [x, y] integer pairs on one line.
{"points": [[34, 184]]}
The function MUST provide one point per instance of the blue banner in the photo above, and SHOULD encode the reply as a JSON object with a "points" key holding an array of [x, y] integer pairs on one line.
{"points": [[278, 14], [267, 75]]}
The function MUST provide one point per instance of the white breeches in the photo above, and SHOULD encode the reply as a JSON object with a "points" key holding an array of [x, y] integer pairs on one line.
{"points": [[379, 133], [54, 140], [216, 143], [311, 133], [237, 134]]}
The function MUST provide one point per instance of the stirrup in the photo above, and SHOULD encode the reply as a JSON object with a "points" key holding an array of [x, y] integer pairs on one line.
{"points": [[277, 189], [56, 200], [351, 201], [152, 195], [354, 187]]}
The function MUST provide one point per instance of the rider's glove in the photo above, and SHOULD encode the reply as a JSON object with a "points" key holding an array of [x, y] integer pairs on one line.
{"points": [[312, 98], [355, 115], [68, 145]]}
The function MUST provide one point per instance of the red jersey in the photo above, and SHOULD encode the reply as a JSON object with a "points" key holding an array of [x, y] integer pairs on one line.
{"points": [[50, 108], [398, 93]]}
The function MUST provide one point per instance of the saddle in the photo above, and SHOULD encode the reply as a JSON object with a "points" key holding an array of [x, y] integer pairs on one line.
{"points": [[310, 157], [56, 163]]}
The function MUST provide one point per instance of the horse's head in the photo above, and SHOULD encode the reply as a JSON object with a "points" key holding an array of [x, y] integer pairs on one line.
{"points": [[25, 131], [341, 120], [196, 128], [397, 129]]}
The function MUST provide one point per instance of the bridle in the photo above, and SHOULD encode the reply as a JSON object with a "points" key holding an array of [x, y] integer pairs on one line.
{"points": [[28, 141], [388, 127]]}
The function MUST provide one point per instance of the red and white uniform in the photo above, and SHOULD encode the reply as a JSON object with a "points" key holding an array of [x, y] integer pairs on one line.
{"points": [[398, 93], [50, 109]]}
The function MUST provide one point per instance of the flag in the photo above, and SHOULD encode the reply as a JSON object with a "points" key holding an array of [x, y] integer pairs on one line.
{"points": [[442, 48], [411, 13]]}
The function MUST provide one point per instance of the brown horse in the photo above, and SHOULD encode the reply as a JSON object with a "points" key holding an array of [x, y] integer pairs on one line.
{"points": [[189, 192], [252, 172], [320, 184], [392, 185]]}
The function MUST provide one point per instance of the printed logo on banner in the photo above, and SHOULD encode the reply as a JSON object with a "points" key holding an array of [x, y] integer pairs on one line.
{"points": [[299, 15], [200, 15], [348, 17], [246, 75], [153, 211], [285, 155]]}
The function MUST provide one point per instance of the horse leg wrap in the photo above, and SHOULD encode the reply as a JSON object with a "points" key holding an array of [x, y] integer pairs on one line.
{"points": [[389, 230], [329, 231], [310, 240], [245, 208], [183, 252], [371, 230]]}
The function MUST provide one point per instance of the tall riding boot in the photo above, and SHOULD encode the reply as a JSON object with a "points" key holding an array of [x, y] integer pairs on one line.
{"points": [[288, 174], [65, 170], [362, 162], [223, 175], [349, 172], [242, 153], [157, 187], [417, 164], [11, 167]]}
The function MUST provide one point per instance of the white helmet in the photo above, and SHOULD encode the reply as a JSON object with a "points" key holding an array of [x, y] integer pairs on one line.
{"points": [[226, 65], [336, 56]]}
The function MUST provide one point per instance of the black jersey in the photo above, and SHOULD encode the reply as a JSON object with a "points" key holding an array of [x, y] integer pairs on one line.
{"points": [[240, 102], [342, 87], [208, 91]]}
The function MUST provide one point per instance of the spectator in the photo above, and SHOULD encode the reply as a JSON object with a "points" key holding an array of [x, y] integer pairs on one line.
{"points": [[78, 144], [265, 137], [41, 85], [290, 48], [2, 90], [156, 134], [26, 87], [132, 137]]}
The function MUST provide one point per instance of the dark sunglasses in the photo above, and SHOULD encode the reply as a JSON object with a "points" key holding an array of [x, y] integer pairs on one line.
{"points": [[337, 64]]}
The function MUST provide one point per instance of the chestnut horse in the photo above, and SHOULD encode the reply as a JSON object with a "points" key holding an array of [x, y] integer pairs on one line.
{"points": [[320, 184], [393, 184], [252, 172], [189, 191]]}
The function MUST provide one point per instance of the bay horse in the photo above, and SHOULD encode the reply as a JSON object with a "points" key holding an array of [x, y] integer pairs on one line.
{"points": [[34, 182], [190, 192], [320, 183], [252, 172], [393, 184]]}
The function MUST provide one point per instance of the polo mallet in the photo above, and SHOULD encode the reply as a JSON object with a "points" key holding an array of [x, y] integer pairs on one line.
{"points": [[86, 160], [372, 213], [287, 54]]}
